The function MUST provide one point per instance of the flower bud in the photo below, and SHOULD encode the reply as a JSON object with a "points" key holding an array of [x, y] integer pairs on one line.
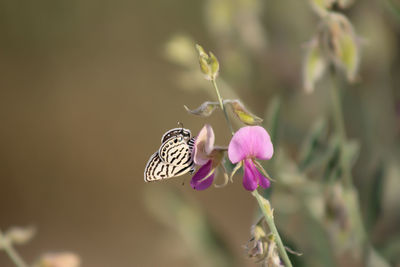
{"points": [[209, 64]]}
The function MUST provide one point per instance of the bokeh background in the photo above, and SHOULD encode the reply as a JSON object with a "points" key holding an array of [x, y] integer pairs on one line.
{"points": [[87, 89]]}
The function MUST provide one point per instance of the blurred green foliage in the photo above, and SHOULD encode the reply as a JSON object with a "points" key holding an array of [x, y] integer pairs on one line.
{"points": [[331, 196]]}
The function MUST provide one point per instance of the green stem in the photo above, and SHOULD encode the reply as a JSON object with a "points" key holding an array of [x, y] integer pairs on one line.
{"points": [[11, 252], [269, 217], [337, 109], [340, 128], [221, 103]]}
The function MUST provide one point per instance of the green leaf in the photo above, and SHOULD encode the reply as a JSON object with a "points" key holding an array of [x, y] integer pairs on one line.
{"points": [[375, 196], [314, 65], [350, 152], [342, 44], [242, 113], [332, 169], [273, 116], [311, 149], [205, 110], [321, 7]]}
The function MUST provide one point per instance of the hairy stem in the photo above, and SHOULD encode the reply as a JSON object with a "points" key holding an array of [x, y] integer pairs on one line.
{"points": [[11, 252], [221, 103], [269, 217]]}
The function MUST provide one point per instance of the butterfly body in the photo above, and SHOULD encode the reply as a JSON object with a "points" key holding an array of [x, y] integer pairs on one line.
{"points": [[174, 158]]}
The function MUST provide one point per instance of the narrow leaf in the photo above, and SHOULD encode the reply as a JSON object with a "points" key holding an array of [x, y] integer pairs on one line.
{"points": [[273, 115]]}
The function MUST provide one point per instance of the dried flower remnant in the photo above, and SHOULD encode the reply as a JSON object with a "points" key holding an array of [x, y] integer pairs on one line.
{"points": [[247, 145], [322, 7], [334, 43], [314, 65], [208, 157], [262, 247], [19, 235], [61, 259], [342, 44]]}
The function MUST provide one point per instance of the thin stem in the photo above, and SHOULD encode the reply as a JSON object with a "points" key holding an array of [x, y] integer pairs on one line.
{"points": [[11, 252], [337, 108], [221, 103], [340, 128], [267, 212]]}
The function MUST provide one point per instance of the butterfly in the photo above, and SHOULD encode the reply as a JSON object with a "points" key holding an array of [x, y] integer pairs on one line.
{"points": [[174, 158]]}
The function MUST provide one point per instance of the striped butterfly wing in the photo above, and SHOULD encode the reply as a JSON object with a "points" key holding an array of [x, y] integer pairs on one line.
{"points": [[177, 151], [174, 158], [156, 169]]}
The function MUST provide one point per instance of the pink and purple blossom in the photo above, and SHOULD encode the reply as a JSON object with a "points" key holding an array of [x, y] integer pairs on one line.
{"points": [[207, 156], [247, 145]]}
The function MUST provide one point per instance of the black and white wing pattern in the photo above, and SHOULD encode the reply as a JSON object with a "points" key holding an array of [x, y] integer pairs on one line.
{"points": [[174, 158]]}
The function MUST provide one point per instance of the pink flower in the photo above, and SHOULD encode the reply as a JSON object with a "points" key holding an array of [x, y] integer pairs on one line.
{"points": [[247, 145], [207, 156]]}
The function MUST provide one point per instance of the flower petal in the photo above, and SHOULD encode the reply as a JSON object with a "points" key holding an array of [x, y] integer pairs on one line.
{"points": [[204, 144], [250, 177], [262, 180], [198, 182], [250, 142]]}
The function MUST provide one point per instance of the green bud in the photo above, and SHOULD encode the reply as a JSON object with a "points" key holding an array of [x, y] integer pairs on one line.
{"points": [[209, 64]]}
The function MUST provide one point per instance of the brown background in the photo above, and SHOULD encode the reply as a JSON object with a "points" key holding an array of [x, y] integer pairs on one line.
{"points": [[85, 96]]}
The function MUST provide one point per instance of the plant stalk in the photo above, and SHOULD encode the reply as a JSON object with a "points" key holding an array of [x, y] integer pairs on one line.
{"points": [[221, 103], [11, 252], [268, 215], [338, 119]]}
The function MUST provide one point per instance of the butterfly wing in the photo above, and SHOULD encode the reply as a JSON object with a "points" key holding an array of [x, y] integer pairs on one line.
{"points": [[177, 151], [157, 170]]}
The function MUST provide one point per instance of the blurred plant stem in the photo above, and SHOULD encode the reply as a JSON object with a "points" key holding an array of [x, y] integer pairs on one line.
{"points": [[221, 103], [352, 198], [269, 217], [11, 252], [338, 118], [262, 202]]}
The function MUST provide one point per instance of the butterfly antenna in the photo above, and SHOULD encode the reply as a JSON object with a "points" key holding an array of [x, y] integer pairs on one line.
{"points": [[180, 124]]}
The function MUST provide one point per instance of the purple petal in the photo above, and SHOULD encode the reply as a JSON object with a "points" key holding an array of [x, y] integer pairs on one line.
{"points": [[203, 145], [252, 177], [197, 181], [250, 142]]}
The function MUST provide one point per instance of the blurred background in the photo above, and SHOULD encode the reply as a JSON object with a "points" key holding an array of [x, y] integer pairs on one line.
{"points": [[87, 89]]}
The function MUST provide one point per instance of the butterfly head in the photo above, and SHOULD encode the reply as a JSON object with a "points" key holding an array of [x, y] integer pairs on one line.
{"points": [[182, 133]]}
